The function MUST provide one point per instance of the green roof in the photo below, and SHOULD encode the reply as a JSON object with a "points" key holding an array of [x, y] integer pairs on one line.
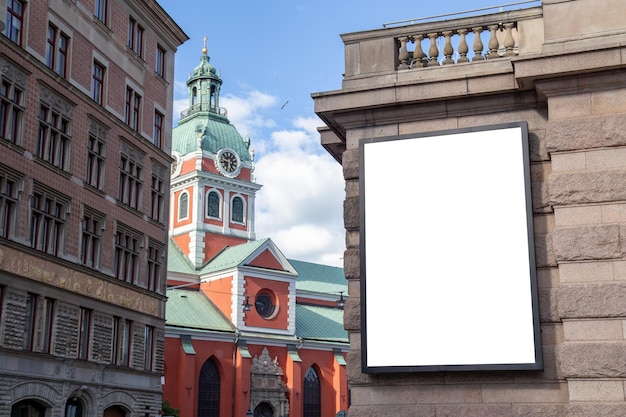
{"points": [[319, 278], [217, 133], [177, 261], [192, 309], [320, 323]]}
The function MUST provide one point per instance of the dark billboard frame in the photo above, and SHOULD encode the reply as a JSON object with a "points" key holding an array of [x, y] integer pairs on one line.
{"points": [[448, 275]]}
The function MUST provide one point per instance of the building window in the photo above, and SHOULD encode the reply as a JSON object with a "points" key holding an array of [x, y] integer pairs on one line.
{"points": [[157, 135], [133, 109], [48, 217], [127, 247], [74, 407], [130, 185], [53, 140], [29, 321], [57, 50], [46, 323], [135, 36], [84, 329], [237, 210], [100, 11], [9, 188], [183, 205], [28, 408], [155, 256], [209, 390], [121, 341], [157, 194], [51, 45], [97, 82], [159, 66], [92, 226], [11, 110], [95, 157], [311, 394], [38, 323], [213, 204], [148, 347], [15, 19]]}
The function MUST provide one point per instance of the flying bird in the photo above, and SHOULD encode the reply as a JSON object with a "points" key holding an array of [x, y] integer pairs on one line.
{"points": [[283, 106]]}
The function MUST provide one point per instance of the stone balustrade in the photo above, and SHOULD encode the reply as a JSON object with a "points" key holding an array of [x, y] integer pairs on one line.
{"points": [[395, 53], [458, 45]]}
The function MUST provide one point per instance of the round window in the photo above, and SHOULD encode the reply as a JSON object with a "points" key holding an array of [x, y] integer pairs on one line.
{"points": [[265, 304]]}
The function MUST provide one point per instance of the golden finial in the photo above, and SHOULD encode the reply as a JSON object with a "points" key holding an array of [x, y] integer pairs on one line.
{"points": [[204, 50]]}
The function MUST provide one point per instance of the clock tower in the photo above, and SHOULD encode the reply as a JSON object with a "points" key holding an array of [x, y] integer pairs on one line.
{"points": [[212, 187]]}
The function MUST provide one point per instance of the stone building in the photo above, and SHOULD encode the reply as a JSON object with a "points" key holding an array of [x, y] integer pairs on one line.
{"points": [[247, 329], [85, 110], [558, 68]]}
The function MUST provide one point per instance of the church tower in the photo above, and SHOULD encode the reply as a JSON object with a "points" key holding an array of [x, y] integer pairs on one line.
{"points": [[212, 187]]}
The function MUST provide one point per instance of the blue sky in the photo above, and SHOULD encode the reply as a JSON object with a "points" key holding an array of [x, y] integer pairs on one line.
{"points": [[272, 55]]}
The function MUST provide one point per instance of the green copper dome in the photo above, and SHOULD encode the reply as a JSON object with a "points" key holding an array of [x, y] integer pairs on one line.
{"points": [[204, 124], [211, 135]]}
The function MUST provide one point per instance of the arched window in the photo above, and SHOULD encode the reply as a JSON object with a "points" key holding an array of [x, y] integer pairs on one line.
{"points": [[263, 410], [209, 390], [237, 210], [74, 408], [213, 100], [183, 205], [213, 204], [194, 96], [311, 394], [114, 411], [28, 408]]}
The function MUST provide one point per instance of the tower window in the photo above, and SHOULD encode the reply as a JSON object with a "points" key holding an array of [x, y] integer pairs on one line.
{"points": [[237, 210], [213, 204], [183, 205]]}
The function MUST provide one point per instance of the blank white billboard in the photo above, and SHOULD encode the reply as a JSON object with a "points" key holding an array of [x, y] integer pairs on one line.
{"points": [[448, 278]]}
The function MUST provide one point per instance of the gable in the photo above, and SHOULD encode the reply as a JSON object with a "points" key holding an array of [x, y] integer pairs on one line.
{"points": [[266, 259]]}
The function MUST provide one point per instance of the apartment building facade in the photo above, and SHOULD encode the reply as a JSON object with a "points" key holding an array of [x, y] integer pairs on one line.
{"points": [[86, 103], [557, 70]]}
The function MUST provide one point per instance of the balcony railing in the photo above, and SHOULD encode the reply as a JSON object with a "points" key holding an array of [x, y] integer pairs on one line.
{"points": [[452, 46], [203, 107]]}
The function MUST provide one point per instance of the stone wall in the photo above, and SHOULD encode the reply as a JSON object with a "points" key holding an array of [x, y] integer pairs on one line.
{"points": [[571, 89]]}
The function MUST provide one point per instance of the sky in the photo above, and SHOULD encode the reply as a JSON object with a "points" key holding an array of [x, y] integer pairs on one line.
{"points": [[271, 56]]}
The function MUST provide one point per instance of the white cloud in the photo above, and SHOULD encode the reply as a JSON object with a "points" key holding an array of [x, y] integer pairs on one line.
{"points": [[245, 112], [300, 204]]}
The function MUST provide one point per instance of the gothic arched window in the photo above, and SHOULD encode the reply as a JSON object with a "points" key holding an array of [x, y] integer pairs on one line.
{"points": [[237, 207], [28, 408], [311, 394], [183, 205], [209, 390], [213, 204]]}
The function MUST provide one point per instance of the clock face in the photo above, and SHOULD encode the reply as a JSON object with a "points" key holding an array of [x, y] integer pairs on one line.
{"points": [[264, 304], [227, 162]]}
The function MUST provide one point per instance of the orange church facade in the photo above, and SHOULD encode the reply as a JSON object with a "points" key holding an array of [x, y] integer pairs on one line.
{"points": [[248, 331]]}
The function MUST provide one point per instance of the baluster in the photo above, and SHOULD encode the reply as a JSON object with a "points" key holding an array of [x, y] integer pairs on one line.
{"points": [[447, 49], [418, 54], [433, 52], [509, 42], [463, 48], [403, 56], [493, 42], [478, 44]]}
